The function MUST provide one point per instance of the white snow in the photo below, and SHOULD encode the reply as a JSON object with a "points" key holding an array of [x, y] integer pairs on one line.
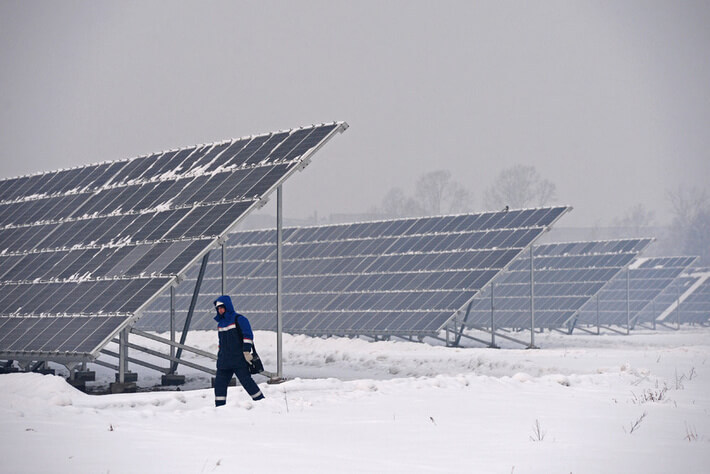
{"points": [[357, 406]]}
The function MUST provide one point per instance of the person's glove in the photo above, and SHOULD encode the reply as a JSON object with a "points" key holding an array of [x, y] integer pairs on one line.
{"points": [[248, 357]]}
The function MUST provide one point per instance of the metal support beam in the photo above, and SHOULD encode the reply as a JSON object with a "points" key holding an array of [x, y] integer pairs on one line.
{"points": [[571, 325], [172, 320], [613, 330], [279, 281], [122, 355], [439, 339], [135, 361], [106, 364], [677, 306], [493, 323], [653, 312], [580, 328], [188, 319], [509, 338], [224, 271], [194, 350], [482, 341], [463, 325], [628, 301], [532, 299], [160, 355], [599, 328]]}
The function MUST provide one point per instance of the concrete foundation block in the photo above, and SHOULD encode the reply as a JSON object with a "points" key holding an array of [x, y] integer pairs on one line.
{"points": [[129, 377], [172, 379], [128, 387]]}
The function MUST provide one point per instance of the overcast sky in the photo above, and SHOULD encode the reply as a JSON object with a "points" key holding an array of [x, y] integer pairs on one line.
{"points": [[609, 100]]}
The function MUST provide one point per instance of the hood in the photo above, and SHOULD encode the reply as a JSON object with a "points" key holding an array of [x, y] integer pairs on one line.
{"points": [[227, 304]]}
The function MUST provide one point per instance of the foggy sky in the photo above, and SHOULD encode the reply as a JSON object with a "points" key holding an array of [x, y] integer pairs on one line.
{"points": [[608, 100]]}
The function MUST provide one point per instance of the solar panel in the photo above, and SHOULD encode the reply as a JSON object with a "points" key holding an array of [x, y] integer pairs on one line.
{"points": [[396, 277], [83, 250], [647, 277], [692, 290], [566, 275], [666, 297]]}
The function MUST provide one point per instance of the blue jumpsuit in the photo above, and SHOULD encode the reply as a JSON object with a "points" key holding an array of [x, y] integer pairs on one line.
{"points": [[230, 358]]}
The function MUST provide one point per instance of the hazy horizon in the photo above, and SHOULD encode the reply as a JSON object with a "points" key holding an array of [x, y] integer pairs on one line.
{"points": [[608, 100]]}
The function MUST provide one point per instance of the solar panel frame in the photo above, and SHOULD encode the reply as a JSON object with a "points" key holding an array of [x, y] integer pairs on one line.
{"points": [[341, 273], [643, 290], [691, 290], [557, 264], [92, 181]]}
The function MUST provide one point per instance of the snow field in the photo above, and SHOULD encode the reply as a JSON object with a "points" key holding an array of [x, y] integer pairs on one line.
{"points": [[357, 406]]}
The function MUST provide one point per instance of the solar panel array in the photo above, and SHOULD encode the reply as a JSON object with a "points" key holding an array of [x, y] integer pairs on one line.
{"points": [[83, 249], [667, 298], [647, 278], [693, 291], [695, 308], [566, 276], [398, 277]]}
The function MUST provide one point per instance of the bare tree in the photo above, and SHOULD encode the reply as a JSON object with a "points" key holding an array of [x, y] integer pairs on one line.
{"points": [[437, 193], [690, 228], [636, 220], [519, 186], [396, 204]]}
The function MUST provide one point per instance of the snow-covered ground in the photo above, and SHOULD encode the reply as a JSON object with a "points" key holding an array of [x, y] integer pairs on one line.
{"points": [[580, 404]]}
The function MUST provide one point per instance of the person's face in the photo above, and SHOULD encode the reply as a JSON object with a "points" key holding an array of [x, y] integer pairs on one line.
{"points": [[221, 309]]}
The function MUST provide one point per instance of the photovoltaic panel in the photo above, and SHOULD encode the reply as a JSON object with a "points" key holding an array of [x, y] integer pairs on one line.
{"points": [[566, 276], [647, 277], [396, 277], [686, 300], [83, 250], [695, 308], [668, 295]]}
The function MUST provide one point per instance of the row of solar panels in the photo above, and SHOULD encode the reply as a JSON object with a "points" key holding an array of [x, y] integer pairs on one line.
{"points": [[83, 250], [404, 276], [360, 279]]}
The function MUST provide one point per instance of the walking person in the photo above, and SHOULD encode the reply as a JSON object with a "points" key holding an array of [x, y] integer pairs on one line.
{"points": [[234, 356]]}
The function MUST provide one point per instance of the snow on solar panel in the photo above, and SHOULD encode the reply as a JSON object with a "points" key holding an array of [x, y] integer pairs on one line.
{"points": [[83, 250], [395, 277], [566, 276], [686, 300], [647, 277]]}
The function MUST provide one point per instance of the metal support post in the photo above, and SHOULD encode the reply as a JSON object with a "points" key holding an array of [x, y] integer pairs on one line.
{"points": [[463, 325], [653, 313], [224, 272], [122, 355], [172, 320], [599, 328], [188, 319], [628, 299], [532, 297], [677, 306], [493, 326], [279, 282]]}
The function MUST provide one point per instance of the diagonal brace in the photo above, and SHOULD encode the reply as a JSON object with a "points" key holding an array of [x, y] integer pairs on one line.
{"points": [[188, 319]]}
